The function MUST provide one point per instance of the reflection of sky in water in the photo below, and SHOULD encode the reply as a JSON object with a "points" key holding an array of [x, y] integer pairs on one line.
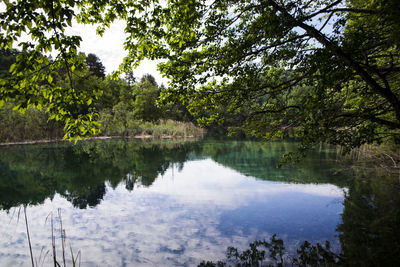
{"points": [[183, 218]]}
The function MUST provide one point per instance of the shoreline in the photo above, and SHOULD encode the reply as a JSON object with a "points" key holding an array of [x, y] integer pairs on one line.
{"points": [[45, 141]]}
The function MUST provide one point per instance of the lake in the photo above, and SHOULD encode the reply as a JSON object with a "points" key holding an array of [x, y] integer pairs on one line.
{"points": [[177, 203]]}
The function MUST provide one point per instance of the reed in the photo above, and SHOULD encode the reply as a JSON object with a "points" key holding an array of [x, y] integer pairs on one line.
{"points": [[29, 238], [170, 128], [76, 260], [374, 158]]}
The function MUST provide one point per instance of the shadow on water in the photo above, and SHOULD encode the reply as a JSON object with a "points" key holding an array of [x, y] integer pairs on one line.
{"points": [[369, 233]]}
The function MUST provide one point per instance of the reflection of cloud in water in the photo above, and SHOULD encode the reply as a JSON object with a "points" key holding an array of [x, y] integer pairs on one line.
{"points": [[174, 222], [211, 182]]}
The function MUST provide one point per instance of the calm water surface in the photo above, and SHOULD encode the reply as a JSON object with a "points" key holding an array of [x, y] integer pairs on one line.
{"points": [[164, 203]]}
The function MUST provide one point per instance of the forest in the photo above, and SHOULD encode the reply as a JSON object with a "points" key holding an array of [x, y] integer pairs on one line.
{"points": [[125, 107]]}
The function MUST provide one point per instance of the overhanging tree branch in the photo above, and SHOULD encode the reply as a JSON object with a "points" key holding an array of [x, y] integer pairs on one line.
{"points": [[337, 51]]}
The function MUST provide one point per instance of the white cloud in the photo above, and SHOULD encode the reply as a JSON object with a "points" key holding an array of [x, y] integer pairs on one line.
{"points": [[228, 188]]}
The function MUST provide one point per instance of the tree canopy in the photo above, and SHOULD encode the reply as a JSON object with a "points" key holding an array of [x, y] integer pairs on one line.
{"points": [[327, 70], [95, 66]]}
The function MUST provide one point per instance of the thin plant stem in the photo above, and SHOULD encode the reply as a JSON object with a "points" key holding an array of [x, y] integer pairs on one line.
{"points": [[53, 242], [29, 238], [62, 237]]}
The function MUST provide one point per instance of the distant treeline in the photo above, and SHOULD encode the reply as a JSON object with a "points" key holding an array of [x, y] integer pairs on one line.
{"points": [[127, 106]]}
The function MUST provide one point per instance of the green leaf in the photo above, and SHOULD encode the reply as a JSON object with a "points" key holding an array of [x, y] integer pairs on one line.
{"points": [[12, 68]]}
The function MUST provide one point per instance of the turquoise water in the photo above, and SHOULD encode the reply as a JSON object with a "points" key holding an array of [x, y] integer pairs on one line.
{"points": [[164, 203]]}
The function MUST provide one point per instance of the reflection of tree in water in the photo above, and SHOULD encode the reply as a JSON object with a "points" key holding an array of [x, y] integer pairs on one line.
{"points": [[23, 186], [370, 232], [130, 182], [260, 159], [30, 174], [90, 196]]}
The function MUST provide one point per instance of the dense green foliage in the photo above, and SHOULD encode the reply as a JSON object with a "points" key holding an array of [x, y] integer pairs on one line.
{"points": [[327, 70], [33, 76], [95, 66], [32, 125], [125, 107]]}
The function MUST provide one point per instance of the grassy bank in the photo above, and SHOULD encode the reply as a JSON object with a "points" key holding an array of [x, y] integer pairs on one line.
{"points": [[160, 129], [373, 158]]}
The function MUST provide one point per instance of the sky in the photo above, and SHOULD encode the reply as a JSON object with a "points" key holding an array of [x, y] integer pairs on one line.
{"points": [[110, 48]]}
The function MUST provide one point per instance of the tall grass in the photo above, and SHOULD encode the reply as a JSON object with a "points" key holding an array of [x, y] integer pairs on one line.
{"points": [[160, 129], [170, 128], [55, 261], [373, 158], [29, 238]]}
